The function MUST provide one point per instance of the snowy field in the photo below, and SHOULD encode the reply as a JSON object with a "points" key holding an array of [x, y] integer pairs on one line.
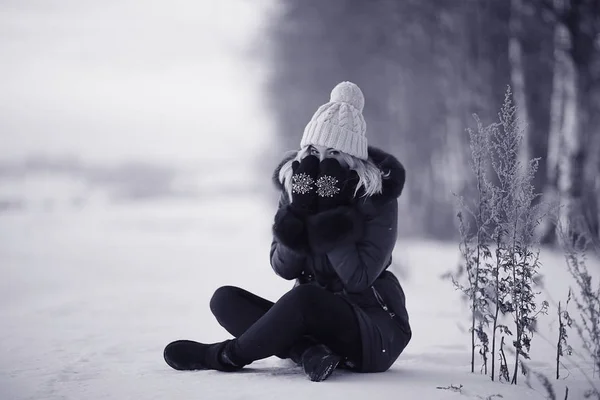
{"points": [[90, 297]]}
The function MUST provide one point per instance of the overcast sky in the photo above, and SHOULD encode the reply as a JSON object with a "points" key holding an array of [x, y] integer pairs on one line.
{"points": [[116, 79]]}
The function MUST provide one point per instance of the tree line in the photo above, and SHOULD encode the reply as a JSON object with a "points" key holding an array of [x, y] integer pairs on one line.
{"points": [[426, 67]]}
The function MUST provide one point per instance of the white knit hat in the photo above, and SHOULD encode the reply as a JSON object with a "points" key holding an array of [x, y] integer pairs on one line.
{"points": [[339, 124]]}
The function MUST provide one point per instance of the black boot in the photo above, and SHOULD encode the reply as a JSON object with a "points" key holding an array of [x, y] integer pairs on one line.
{"points": [[319, 362], [185, 355], [296, 351]]}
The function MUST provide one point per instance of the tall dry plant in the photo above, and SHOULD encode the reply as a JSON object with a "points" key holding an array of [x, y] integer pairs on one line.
{"points": [[578, 243], [516, 221], [564, 322], [502, 214], [474, 224]]}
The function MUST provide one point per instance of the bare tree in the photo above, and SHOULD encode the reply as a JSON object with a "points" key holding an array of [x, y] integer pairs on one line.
{"points": [[577, 24], [519, 87]]}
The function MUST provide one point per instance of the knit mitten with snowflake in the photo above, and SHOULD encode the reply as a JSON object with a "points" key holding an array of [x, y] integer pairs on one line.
{"points": [[304, 194], [335, 185], [337, 221], [289, 226]]}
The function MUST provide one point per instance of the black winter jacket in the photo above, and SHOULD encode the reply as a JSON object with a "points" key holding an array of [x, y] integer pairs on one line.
{"points": [[351, 249]]}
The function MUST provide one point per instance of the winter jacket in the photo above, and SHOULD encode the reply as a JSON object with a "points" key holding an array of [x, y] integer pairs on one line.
{"points": [[351, 249]]}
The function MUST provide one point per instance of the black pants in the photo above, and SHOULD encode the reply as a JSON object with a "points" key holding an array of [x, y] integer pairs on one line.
{"points": [[304, 315]]}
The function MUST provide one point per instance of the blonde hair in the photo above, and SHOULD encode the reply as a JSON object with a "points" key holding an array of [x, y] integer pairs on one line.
{"points": [[369, 175]]}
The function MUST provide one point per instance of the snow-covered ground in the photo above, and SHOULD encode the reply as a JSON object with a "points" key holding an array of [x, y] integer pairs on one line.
{"points": [[90, 296]]}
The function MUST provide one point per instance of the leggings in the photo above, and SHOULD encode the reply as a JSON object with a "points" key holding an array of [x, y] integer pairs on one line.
{"points": [[305, 315]]}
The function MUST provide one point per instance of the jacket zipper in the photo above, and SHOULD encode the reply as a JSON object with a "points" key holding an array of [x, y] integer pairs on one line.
{"points": [[382, 303]]}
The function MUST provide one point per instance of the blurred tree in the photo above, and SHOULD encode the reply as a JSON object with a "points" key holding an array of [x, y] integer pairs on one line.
{"points": [[531, 67], [573, 142], [519, 86]]}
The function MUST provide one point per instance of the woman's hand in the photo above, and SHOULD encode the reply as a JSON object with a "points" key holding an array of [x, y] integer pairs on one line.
{"points": [[335, 185], [337, 221], [304, 194], [289, 227]]}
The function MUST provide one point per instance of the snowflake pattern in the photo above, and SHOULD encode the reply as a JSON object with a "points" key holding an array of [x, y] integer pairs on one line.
{"points": [[326, 186], [302, 183]]}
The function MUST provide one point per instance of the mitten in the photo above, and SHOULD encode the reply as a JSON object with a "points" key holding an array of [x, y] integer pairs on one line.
{"points": [[290, 225], [304, 195], [335, 185]]}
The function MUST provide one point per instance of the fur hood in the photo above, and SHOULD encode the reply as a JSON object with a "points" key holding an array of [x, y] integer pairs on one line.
{"points": [[387, 163]]}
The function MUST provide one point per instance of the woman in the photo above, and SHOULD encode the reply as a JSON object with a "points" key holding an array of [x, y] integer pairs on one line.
{"points": [[334, 233]]}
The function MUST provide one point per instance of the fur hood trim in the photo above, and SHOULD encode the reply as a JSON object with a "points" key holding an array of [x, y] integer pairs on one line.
{"points": [[393, 183]]}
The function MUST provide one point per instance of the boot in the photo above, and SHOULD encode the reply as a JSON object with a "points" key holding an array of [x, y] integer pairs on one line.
{"points": [[187, 355], [296, 351], [319, 362]]}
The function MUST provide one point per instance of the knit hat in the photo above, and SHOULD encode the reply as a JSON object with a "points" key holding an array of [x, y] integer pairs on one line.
{"points": [[339, 124]]}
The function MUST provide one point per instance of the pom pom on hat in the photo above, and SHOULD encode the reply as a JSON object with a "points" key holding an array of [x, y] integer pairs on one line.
{"points": [[349, 93]]}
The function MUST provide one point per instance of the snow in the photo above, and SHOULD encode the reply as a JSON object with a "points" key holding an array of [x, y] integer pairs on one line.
{"points": [[91, 296]]}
